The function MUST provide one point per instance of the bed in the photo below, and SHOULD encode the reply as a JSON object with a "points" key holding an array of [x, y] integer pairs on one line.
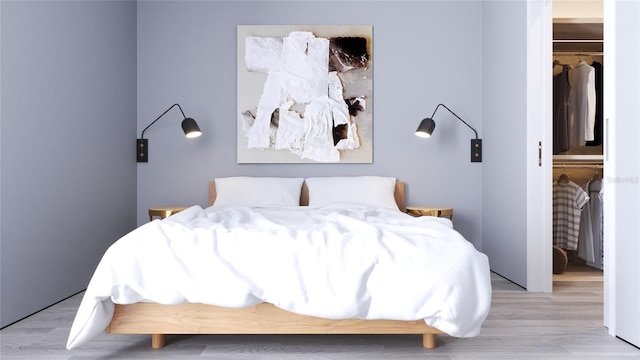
{"points": [[120, 307]]}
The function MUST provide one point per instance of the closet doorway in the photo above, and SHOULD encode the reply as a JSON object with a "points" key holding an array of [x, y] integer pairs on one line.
{"points": [[621, 170], [578, 142]]}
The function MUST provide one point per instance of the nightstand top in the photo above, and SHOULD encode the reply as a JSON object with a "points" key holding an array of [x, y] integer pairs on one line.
{"points": [[168, 208], [164, 211], [430, 211], [429, 208]]}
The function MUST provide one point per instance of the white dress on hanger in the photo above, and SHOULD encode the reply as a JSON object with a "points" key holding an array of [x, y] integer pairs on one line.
{"points": [[582, 113]]}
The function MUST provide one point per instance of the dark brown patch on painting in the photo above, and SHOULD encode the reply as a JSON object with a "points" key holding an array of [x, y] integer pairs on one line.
{"points": [[347, 53]]}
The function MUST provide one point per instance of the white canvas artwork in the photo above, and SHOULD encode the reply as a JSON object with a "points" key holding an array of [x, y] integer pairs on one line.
{"points": [[304, 94]]}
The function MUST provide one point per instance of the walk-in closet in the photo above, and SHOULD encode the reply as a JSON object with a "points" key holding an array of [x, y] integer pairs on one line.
{"points": [[578, 142]]}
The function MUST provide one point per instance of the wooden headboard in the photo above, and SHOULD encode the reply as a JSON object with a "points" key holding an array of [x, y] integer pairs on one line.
{"points": [[304, 195]]}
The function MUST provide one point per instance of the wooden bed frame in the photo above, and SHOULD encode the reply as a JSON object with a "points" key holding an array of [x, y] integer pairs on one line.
{"points": [[265, 318]]}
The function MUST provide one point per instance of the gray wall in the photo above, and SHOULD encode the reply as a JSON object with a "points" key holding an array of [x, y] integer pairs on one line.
{"points": [[504, 98], [68, 127], [70, 72], [424, 53]]}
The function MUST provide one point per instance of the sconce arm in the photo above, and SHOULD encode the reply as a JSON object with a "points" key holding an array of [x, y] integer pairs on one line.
{"points": [[454, 114], [166, 111]]}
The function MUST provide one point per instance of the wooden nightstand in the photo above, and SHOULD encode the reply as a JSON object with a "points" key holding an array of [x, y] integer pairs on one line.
{"points": [[430, 211], [164, 211]]}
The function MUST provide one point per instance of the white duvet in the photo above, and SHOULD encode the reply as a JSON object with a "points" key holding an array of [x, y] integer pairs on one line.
{"points": [[333, 262]]}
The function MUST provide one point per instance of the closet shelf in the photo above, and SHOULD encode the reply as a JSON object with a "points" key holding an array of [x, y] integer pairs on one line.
{"points": [[578, 159], [578, 29], [578, 35]]}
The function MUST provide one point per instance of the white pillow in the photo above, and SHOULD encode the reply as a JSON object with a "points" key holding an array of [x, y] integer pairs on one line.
{"points": [[258, 191], [375, 191]]}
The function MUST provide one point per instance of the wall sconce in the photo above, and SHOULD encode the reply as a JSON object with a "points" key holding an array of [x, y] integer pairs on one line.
{"points": [[426, 127], [189, 126]]}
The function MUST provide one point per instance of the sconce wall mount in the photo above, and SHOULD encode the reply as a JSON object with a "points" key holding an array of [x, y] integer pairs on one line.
{"points": [[189, 126], [428, 125]]}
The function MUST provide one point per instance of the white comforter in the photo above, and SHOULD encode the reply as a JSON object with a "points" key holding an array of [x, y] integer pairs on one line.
{"points": [[333, 262]]}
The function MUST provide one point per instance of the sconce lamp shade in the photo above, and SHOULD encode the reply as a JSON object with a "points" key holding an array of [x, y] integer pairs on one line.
{"points": [[189, 126], [426, 127]]}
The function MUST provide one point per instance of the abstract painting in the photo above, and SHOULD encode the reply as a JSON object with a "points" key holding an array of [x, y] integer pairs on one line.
{"points": [[304, 94]]}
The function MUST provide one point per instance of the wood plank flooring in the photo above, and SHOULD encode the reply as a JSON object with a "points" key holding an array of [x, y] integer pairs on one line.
{"points": [[566, 324]]}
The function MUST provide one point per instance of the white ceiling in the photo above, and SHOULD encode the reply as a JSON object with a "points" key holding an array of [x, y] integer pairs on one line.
{"points": [[591, 9]]}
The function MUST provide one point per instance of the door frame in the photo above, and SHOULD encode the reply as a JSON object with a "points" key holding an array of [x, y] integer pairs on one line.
{"points": [[609, 167], [540, 277], [539, 149]]}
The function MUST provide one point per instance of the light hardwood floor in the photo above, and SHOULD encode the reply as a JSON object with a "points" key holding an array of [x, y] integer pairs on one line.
{"points": [[566, 324]]}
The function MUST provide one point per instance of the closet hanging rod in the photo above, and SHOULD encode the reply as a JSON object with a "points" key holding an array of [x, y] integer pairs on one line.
{"points": [[578, 41], [574, 53], [573, 166]]}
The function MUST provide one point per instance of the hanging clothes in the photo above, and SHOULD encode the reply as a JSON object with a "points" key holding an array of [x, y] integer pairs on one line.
{"points": [[568, 200], [583, 103], [598, 124], [596, 191], [561, 110], [586, 248]]}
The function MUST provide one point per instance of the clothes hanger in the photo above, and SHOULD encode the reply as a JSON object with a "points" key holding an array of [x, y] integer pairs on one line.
{"points": [[563, 179], [565, 67], [596, 176], [581, 60]]}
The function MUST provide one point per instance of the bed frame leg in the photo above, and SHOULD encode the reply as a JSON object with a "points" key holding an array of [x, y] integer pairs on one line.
{"points": [[157, 341], [429, 341]]}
